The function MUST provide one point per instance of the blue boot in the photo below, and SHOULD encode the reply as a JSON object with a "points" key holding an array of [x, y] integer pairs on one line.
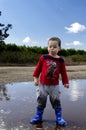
{"points": [[38, 117], [59, 119]]}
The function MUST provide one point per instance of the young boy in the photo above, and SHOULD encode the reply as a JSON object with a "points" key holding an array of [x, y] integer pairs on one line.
{"points": [[46, 78]]}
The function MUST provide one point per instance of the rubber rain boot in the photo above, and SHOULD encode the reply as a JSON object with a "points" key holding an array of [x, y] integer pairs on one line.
{"points": [[59, 119], [38, 117]]}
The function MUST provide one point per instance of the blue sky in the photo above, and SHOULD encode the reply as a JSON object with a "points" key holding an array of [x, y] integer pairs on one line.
{"points": [[34, 21]]}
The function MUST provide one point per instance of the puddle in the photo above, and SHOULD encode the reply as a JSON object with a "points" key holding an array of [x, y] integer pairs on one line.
{"points": [[18, 102]]}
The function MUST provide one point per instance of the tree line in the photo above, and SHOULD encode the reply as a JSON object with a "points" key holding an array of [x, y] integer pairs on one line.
{"points": [[12, 54]]}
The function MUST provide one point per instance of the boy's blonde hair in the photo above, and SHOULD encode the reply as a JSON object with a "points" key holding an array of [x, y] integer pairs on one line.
{"points": [[55, 39]]}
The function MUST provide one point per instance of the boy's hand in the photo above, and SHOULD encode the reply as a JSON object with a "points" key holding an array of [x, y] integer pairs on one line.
{"points": [[36, 81], [66, 85]]}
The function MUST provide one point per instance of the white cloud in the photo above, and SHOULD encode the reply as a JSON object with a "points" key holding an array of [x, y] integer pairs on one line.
{"points": [[75, 28], [34, 43], [29, 42], [74, 43], [26, 40]]}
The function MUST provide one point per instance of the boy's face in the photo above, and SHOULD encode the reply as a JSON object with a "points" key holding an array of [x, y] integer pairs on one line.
{"points": [[53, 47]]}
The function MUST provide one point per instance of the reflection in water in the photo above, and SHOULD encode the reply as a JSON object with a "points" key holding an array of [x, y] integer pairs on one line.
{"points": [[39, 126], [16, 114], [2, 124], [58, 127], [3, 93], [76, 92]]}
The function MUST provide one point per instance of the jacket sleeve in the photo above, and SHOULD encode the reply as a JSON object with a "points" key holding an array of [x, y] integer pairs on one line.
{"points": [[63, 71], [38, 68]]}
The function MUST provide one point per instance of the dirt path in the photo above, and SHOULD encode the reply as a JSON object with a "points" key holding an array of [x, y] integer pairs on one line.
{"points": [[24, 74]]}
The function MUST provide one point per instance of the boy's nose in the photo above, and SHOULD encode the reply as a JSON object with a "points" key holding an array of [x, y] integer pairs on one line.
{"points": [[52, 47]]}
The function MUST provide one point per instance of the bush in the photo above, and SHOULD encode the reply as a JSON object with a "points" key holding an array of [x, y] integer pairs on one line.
{"points": [[13, 54]]}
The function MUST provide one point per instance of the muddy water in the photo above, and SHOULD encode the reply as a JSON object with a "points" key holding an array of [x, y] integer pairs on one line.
{"points": [[18, 102]]}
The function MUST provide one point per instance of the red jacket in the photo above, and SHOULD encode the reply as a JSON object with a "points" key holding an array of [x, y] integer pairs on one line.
{"points": [[49, 68]]}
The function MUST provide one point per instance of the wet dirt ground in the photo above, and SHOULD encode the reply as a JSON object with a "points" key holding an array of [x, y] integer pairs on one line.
{"points": [[18, 103], [9, 74]]}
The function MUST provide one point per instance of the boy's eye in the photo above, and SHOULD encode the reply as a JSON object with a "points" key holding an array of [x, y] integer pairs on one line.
{"points": [[54, 46]]}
